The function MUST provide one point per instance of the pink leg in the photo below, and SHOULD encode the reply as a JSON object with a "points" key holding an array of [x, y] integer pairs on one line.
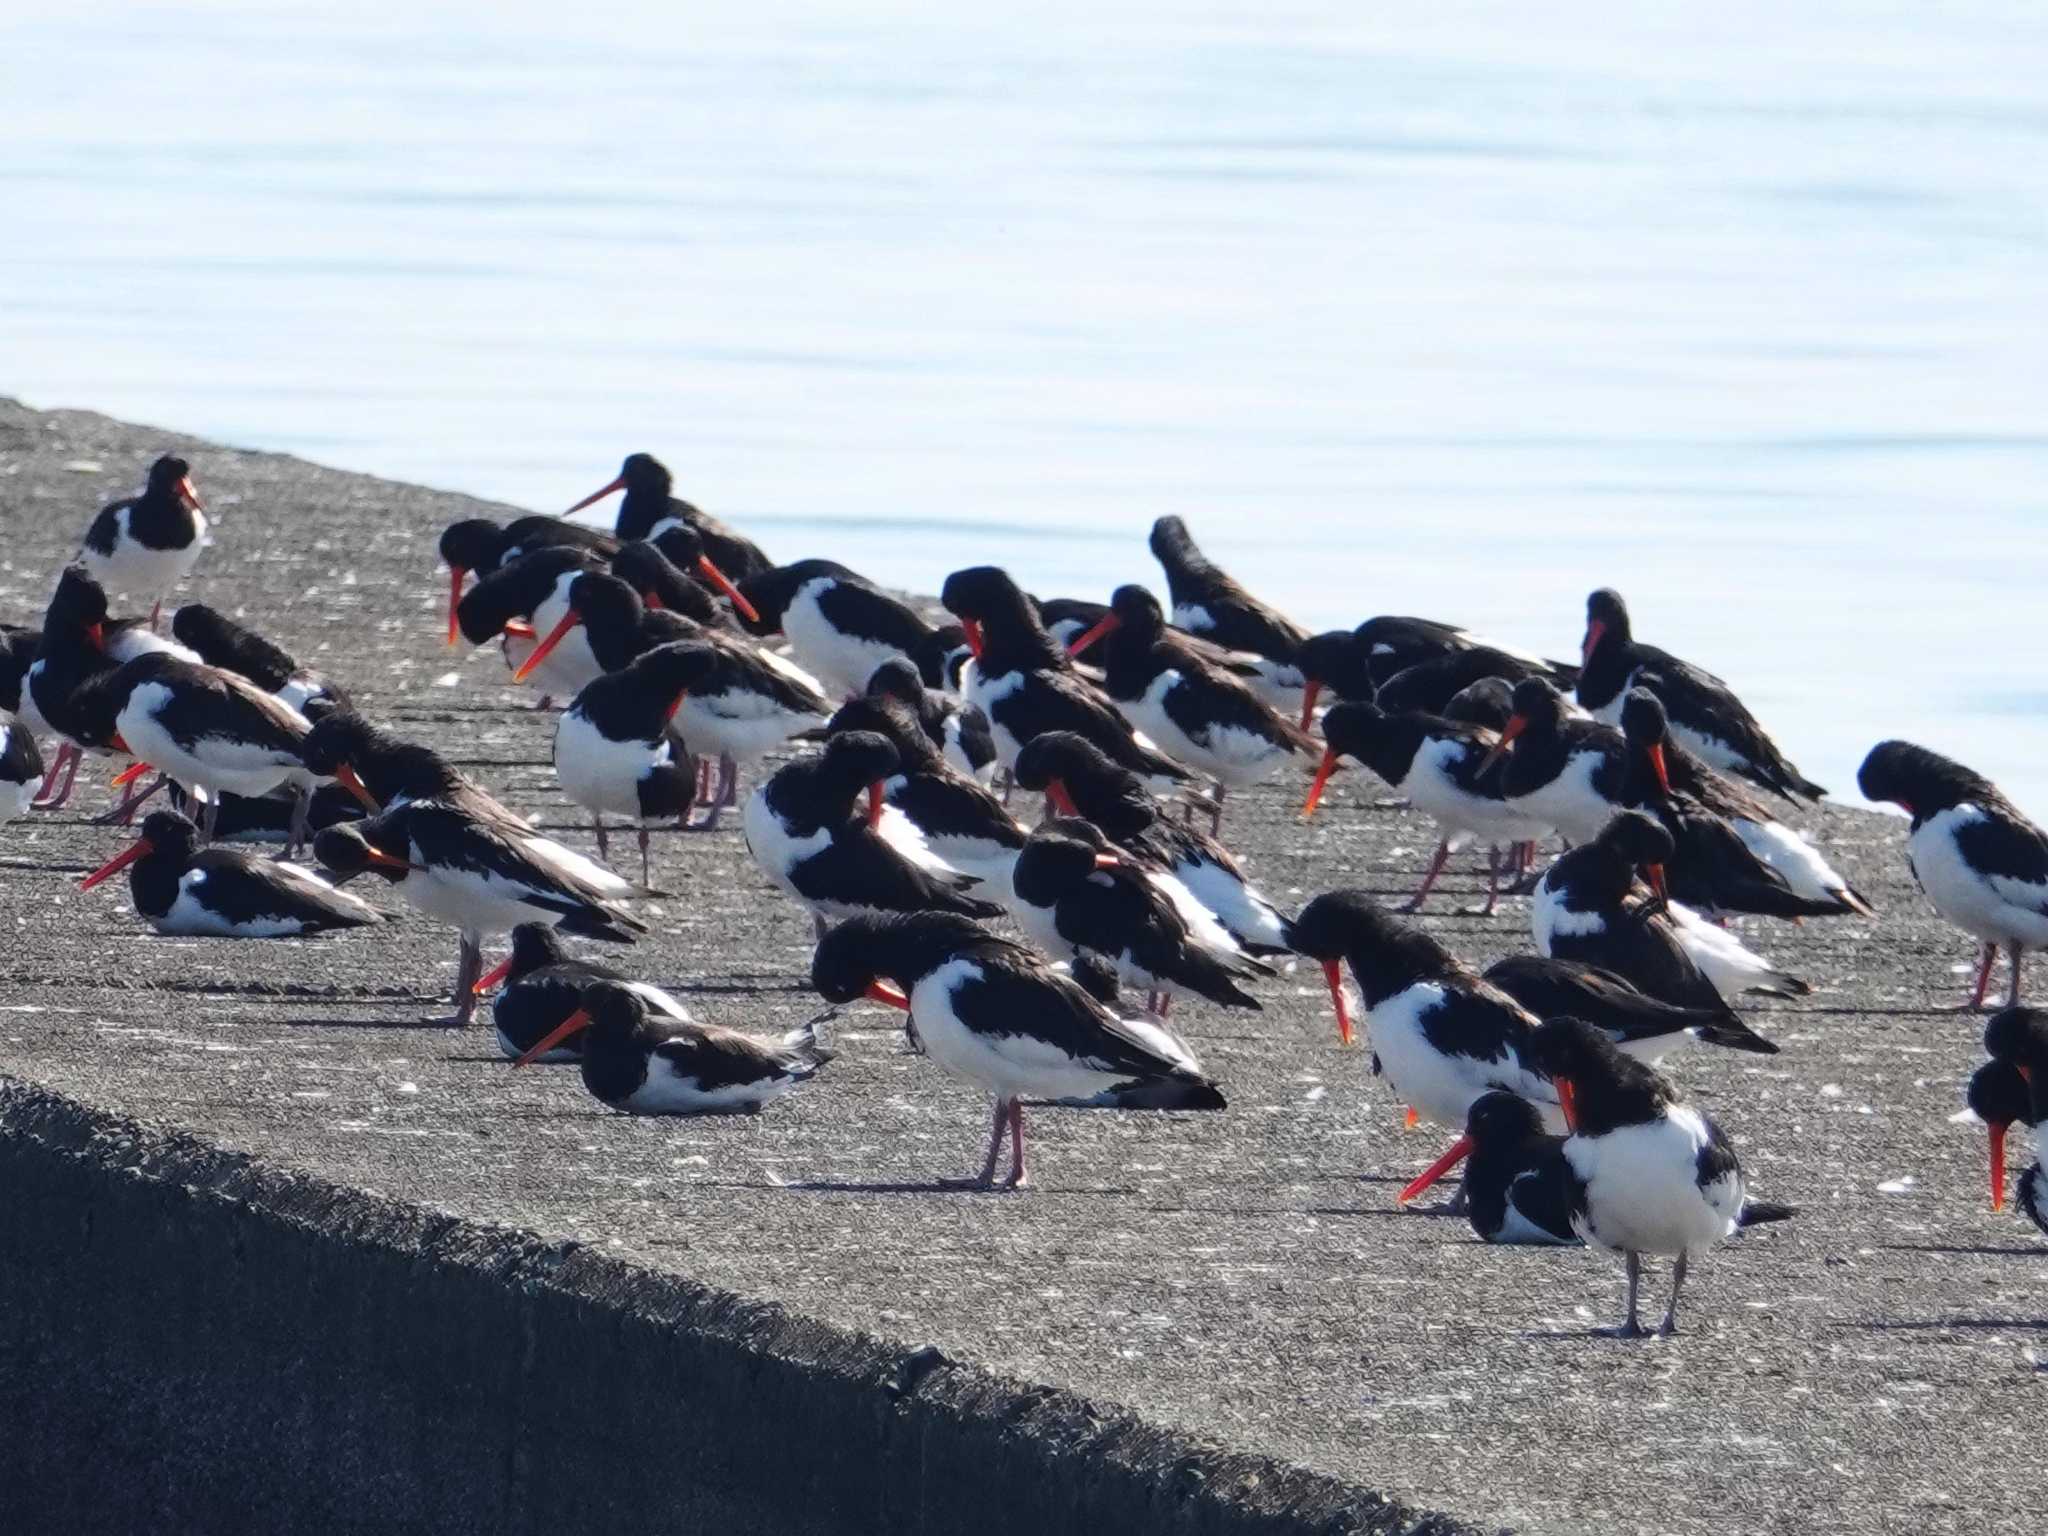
{"points": [[1983, 976], [995, 1143], [2012, 996], [65, 767], [1017, 1176], [1493, 879], [1436, 867]]}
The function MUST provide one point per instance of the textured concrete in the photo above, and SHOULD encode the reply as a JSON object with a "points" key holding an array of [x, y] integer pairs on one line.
{"points": [[1238, 1279]]}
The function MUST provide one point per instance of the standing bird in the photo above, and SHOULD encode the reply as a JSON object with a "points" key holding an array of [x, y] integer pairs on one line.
{"points": [[21, 768], [1197, 713], [2012, 1088], [1705, 714], [677, 585], [1589, 908], [616, 751], [1655, 1176], [543, 984], [181, 888], [478, 545], [1209, 603], [649, 509], [220, 642], [1440, 766], [839, 624], [147, 544], [646, 1062], [986, 1009], [1559, 767], [1983, 865], [1024, 683], [803, 830], [960, 730]]}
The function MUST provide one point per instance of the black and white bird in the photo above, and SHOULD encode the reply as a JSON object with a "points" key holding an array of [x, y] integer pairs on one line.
{"points": [[1441, 767], [1334, 666], [1521, 1188], [1209, 603], [21, 767], [1024, 683], [1393, 643], [960, 729], [1660, 767], [1080, 780], [383, 770], [986, 1009], [147, 543], [616, 749], [220, 642], [1655, 1177], [803, 828], [182, 888], [527, 598], [1560, 767], [650, 508], [1705, 714], [477, 546], [678, 585], [1647, 1027], [480, 876], [643, 1061], [1982, 864], [2012, 1089], [1589, 907], [540, 984], [1072, 893], [840, 625], [1194, 711]]}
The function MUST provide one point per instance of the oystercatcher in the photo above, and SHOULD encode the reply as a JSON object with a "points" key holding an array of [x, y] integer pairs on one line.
{"points": [[1334, 662], [962, 824], [615, 749], [1440, 766], [2012, 1088], [802, 829], [1073, 893], [1441, 1034], [1071, 622], [1983, 865], [220, 642], [184, 889], [1655, 1176], [646, 1062], [1080, 780], [21, 767], [1561, 768], [534, 588], [1705, 713], [1647, 1027], [1588, 908], [479, 876], [1521, 1188], [478, 545], [840, 625], [1209, 603], [960, 729], [665, 584], [1194, 711], [1024, 683], [1488, 702], [942, 659], [986, 1009], [649, 509], [1394, 643], [543, 984], [1661, 766], [1428, 685], [147, 544]]}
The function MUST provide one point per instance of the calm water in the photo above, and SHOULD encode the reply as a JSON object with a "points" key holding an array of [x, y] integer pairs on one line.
{"points": [[1457, 310]]}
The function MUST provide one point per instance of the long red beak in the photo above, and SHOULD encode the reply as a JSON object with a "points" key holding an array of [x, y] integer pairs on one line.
{"points": [[720, 580], [1454, 1154], [455, 575], [1105, 625], [190, 496], [540, 652], [1108, 861], [378, 856], [1310, 692], [1568, 1104], [1997, 1166], [681, 694], [971, 628], [128, 775], [1315, 790], [1062, 802], [97, 634], [882, 992], [1594, 630], [116, 864], [1657, 766], [1333, 973], [1657, 882], [598, 495], [874, 802], [346, 777], [562, 1031], [493, 976], [1515, 726]]}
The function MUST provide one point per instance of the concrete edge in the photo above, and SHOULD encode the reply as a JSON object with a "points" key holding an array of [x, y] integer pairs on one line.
{"points": [[184, 1323]]}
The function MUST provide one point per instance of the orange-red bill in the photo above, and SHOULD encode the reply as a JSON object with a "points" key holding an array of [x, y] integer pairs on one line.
{"points": [[1569, 1104], [882, 992], [1657, 766], [378, 856], [1997, 1166], [724, 583], [519, 629], [1333, 973], [681, 694], [493, 976], [1315, 790], [1108, 861], [1515, 726], [971, 628], [190, 494], [540, 652], [129, 775], [598, 495], [116, 864], [1657, 882], [1594, 631], [455, 576], [1310, 692], [346, 777], [97, 634], [1088, 637], [1454, 1154], [554, 1037], [1062, 802], [874, 802]]}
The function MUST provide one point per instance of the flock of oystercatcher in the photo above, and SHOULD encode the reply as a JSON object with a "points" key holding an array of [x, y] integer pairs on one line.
{"points": [[1038, 961]]}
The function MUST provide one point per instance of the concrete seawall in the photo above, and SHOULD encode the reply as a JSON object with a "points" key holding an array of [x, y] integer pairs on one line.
{"points": [[194, 1342]]}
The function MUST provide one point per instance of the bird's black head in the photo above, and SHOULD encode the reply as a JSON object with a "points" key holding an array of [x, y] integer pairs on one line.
{"points": [[2019, 1038], [170, 479], [616, 1011], [1538, 705], [1502, 1119], [473, 544], [1487, 702], [515, 590], [1170, 539], [890, 719], [339, 737], [1386, 953], [1369, 735], [603, 601], [167, 832], [1097, 977], [681, 545], [1920, 782], [1642, 719], [1999, 1096], [1055, 860], [985, 593], [78, 603], [900, 948], [642, 474], [659, 581], [897, 679], [1606, 614], [672, 670], [860, 758], [1637, 840], [349, 851], [1600, 1088], [535, 945], [1137, 611], [1064, 755], [1336, 662]]}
